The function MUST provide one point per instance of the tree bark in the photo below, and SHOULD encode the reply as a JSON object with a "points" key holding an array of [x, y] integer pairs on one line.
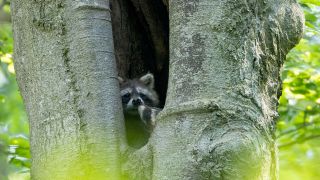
{"points": [[218, 121], [224, 84], [66, 71]]}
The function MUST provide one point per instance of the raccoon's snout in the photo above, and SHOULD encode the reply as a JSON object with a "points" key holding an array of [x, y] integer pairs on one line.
{"points": [[137, 102]]}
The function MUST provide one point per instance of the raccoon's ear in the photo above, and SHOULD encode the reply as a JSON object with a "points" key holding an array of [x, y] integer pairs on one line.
{"points": [[120, 79], [148, 80]]}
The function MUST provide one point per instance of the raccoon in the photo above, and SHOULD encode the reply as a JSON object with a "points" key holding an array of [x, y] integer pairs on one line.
{"points": [[140, 102]]}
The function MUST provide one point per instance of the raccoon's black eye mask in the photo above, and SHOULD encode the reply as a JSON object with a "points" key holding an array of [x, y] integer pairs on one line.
{"points": [[126, 98], [127, 95], [143, 96]]}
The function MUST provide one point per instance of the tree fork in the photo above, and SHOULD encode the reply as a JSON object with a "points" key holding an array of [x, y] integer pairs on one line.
{"points": [[222, 97]]}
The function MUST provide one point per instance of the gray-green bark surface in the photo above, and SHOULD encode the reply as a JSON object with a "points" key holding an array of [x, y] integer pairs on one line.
{"points": [[224, 84], [64, 59]]}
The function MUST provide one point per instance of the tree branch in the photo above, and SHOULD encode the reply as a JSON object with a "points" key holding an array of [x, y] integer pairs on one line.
{"points": [[300, 141], [289, 131]]}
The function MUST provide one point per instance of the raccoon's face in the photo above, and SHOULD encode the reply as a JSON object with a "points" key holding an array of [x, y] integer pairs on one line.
{"points": [[138, 92]]}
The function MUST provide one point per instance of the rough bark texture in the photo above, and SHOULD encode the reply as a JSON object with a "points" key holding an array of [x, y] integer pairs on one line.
{"points": [[224, 84], [225, 58], [66, 71]]}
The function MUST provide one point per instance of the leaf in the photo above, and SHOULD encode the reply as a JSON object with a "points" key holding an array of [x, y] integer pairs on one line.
{"points": [[20, 141], [314, 2]]}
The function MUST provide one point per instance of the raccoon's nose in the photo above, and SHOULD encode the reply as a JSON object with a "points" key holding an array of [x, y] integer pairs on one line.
{"points": [[136, 102]]}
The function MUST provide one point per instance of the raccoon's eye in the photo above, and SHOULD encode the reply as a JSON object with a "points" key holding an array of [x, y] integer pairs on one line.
{"points": [[126, 96], [144, 97]]}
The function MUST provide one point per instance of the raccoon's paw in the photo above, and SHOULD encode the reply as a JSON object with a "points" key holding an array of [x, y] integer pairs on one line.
{"points": [[148, 115]]}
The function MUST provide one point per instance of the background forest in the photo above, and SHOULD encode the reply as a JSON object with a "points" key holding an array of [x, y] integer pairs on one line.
{"points": [[298, 127]]}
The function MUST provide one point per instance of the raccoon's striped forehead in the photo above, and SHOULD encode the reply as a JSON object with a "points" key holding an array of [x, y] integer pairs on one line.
{"points": [[137, 90], [126, 91], [145, 91], [135, 87]]}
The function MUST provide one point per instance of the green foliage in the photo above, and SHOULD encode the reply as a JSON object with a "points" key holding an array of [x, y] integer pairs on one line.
{"points": [[299, 124], [14, 143], [312, 2]]}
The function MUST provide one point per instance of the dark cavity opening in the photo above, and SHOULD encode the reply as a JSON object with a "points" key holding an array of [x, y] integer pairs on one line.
{"points": [[141, 40]]}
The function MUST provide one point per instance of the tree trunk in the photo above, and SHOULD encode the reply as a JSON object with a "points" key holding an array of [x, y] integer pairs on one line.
{"points": [[66, 71], [218, 121], [224, 85]]}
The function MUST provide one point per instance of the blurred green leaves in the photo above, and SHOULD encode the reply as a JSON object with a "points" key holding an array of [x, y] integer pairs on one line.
{"points": [[299, 124], [314, 2], [14, 142]]}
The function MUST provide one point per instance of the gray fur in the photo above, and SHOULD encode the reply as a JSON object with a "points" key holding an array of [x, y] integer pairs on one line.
{"points": [[139, 97]]}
